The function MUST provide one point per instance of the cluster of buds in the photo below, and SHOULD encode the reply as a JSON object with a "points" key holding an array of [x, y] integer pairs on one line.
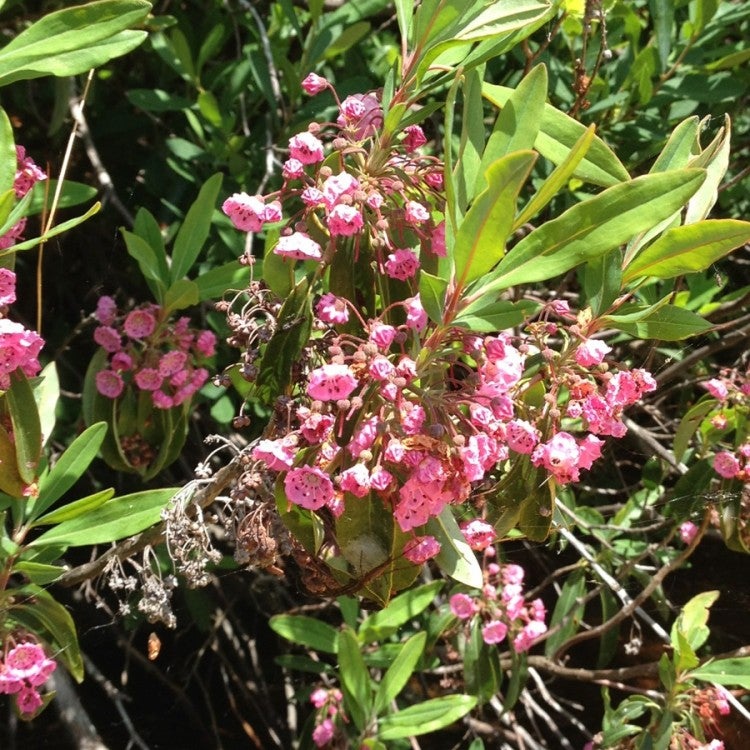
{"points": [[23, 670], [19, 347], [150, 353], [502, 609], [386, 195], [27, 175], [328, 705]]}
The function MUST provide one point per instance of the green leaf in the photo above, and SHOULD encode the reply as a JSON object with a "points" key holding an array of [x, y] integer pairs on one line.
{"points": [[404, 16], [10, 480], [116, 519], [355, 679], [679, 147], [725, 672], [69, 467], [146, 227], [148, 261], [73, 194], [425, 717], [715, 160], [662, 13], [194, 229], [75, 508], [41, 574], [602, 280], [47, 396], [517, 125], [558, 134], [661, 322], [456, 559], [156, 100], [568, 612], [592, 228], [482, 673], [399, 672], [497, 316], [181, 294], [306, 631], [481, 237], [688, 249], [692, 621], [432, 295], [27, 429], [74, 40], [8, 159], [215, 282], [469, 156], [400, 610]]}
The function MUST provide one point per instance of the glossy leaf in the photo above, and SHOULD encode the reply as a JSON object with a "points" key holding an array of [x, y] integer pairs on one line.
{"points": [[432, 295], [602, 280], [456, 559], [517, 125], [680, 146], [47, 395], [481, 236], [39, 573], [195, 227], [146, 227], [27, 429], [216, 281], [558, 134], [116, 519], [69, 467], [725, 672], [425, 717], [468, 159], [398, 674], [692, 621], [497, 316], [74, 40], [306, 631], [688, 249], [75, 508], [11, 482], [659, 322], [592, 228], [181, 294], [400, 610], [355, 679], [8, 160]]}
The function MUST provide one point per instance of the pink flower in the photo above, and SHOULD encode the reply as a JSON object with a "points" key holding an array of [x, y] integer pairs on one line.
{"points": [[462, 606], [292, 169], [402, 265], [438, 240], [479, 534], [360, 114], [560, 456], [28, 700], [380, 479], [316, 427], [148, 379], [381, 368], [298, 246], [421, 549], [109, 383], [413, 137], [415, 213], [434, 180], [331, 383], [314, 84], [494, 632], [312, 197], [27, 173], [308, 487], [27, 661], [139, 324], [688, 532], [512, 574], [172, 362], [108, 338], [416, 317], [332, 309], [363, 437], [726, 464], [323, 733], [338, 185], [590, 450], [382, 335], [591, 352], [121, 362], [717, 388], [277, 455], [319, 697], [344, 221], [245, 211], [106, 310], [529, 633], [521, 436], [356, 480], [306, 148], [7, 286], [162, 400]]}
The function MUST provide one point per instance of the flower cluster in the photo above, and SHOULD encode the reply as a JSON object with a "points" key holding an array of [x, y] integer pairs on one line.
{"points": [[502, 608], [23, 670], [387, 199], [328, 705], [27, 175], [150, 353], [19, 347]]}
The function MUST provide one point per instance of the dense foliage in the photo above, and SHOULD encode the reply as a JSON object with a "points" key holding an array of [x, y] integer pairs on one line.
{"points": [[393, 382]]}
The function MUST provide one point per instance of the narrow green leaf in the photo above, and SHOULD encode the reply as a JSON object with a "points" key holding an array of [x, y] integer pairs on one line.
{"points": [[725, 672], [558, 134], [156, 100], [594, 227], [662, 13], [688, 249], [355, 679], [659, 322], [181, 294], [148, 261], [69, 467], [73, 194], [715, 160], [517, 125], [482, 235], [456, 559], [215, 282], [404, 16], [602, 280], [679, 147], [47, 395], [194, 229], [75, 508], [497, 316], [147, 227], [41, 574], [568, 612], [432, 295], [425, 717], [482, 673], [27, 429], [400, 610], [557, 179], [306, 631], [10, 480], [468, 159], [116, 519], [399, 672], [8, 159]]}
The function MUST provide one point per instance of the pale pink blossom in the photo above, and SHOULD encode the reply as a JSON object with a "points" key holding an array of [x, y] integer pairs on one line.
{"points": [[298, 246], [726, 464], [688, 532], [344, 221], [292, 169], [245, 211], [415, 212], [332, 309], [382, 335], [172, 362], [312, 197], [355, 480], [478, 533], [361, 115], [591, 352], [338, 185], [306, 148], [434, 179], [308, 487], [521, 436], [463, 606], [528, 635], [277, 455], [717, 388], [421, 549], [416, 317], [494, 632], [331, 383], [402, 264], [323, 733], [438, 240]]}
